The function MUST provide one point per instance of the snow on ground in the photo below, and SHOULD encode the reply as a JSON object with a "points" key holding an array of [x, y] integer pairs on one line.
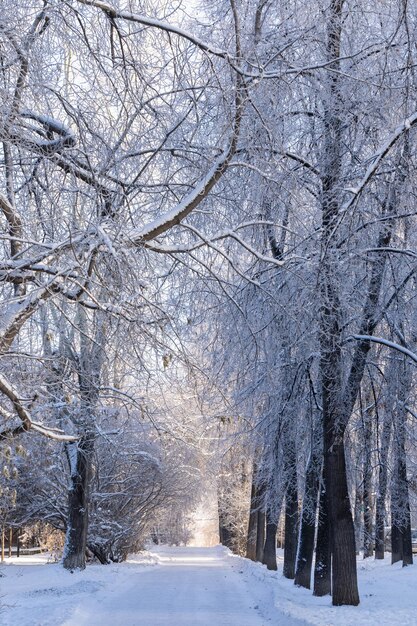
{"points": [[388, 595], [194, 587]]}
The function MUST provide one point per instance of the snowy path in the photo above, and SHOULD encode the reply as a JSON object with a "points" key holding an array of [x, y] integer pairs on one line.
{"points": [[189, 587], [194, 587], [172, 586]]}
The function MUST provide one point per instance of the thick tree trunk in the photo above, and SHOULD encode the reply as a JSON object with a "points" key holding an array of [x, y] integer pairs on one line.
{"points": [[342, 533], [253, 516], [339, 399], [308, 524], [322, 568], [260, 522], [260, 535], [291, 513], [396, 539], [225, 534], [305, 553], [78, 503], [401, 546], [291, 531], [407, 548], [344, 577], [270, 548], [400, 501], [80, 455]]}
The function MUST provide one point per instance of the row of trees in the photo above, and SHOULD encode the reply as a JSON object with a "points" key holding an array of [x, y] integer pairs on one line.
{"points": [[243, 179], [332, 179]]}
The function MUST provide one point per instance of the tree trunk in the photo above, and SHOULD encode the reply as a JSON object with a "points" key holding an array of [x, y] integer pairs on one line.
{"points": [[322, 568], [344, 578], [78, 501], [406, 517], [368, 543], [225, 535], [253, 516], [400, 507], [396, 539], [291, 513], [260, 535], [270, 548], [89, 366], [357, 515], [342, 532], [382, 488], [308, 524], [401, 545]]}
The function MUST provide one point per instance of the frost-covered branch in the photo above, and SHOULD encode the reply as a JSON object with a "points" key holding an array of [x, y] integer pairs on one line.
{"points": [[385, 342], [7, 389], [378, 158], [129, 16], [20, 314]]}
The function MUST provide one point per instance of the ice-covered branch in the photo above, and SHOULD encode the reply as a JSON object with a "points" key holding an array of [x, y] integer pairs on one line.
{"points": [[228, 234], [7, 389], [54, 135], [20, 314], [52, 433], [385, 342], [183, 208], [10, 213], [129, 16], [66, 137], [377, 158], [193, 198]]}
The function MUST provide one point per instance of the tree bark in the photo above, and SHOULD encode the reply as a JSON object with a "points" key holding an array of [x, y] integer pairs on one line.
{"points": [[400, 501], [344, 578], [253, 516], [308, 524], [322, 568], [270, 548], [357, 514], [225, 535], [80, 456], [368, 543], [396, 539], [382, 488], [260, 522], [260, 535], [78, 500], [291, 513], [401, 546]]}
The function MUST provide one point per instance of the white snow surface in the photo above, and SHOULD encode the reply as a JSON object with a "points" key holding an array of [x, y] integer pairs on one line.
{"points": [[191, 586]]}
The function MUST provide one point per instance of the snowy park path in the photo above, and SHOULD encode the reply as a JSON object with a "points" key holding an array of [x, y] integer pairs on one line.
{"points": [[194, 587], [188, 587], [169, 586]]}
